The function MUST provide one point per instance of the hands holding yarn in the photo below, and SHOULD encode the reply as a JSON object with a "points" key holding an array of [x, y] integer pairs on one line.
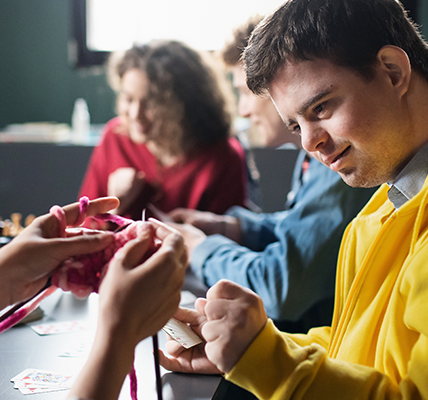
{"points": [[138, 295], [150, 269], [138, 273], [30, 258]]}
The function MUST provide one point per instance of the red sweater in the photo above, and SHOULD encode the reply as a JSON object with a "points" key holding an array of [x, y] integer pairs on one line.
{"points": [[212, 180]]}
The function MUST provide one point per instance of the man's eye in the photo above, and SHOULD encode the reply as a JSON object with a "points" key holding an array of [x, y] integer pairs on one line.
{"points": [[319, 109], [295, 129]]}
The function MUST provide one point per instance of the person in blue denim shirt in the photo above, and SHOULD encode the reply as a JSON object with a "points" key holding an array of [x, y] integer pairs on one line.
{"points": [[289, 257]]}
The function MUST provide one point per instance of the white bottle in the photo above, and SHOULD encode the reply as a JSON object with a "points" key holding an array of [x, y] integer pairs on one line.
{"points": [[80, 121]]}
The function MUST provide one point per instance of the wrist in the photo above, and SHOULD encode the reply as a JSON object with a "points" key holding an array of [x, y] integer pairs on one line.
{"points": [[231, 228], [109, 362]]}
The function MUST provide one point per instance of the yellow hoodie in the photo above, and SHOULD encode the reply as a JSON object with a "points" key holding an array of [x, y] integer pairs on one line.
{"points": [[377, 346]]}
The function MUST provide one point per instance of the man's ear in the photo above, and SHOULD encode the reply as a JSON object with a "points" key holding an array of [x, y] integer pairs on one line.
{"points": [[395, 62]]}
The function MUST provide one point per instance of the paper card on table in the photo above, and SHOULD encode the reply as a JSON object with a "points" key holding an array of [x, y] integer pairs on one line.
{"points": [[182, 333], [80, 348], [30, 388], [187, 297], [59, 327], [43, 379]]}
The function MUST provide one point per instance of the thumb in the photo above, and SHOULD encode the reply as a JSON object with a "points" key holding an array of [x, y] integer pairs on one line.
{"points": [[200, 304], [225, 289], [133, 252]]}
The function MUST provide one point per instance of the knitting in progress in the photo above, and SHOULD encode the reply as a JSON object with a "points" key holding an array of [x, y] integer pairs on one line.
{"points": [[83, 274]]}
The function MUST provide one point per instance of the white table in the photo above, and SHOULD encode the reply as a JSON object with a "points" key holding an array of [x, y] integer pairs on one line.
{"points": [[22, 348]]}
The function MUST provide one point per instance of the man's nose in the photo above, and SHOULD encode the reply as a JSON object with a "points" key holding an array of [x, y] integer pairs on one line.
{"points": [[314, 137], [244, 107]]}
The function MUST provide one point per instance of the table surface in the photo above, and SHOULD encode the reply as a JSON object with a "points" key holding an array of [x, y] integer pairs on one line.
{"points": [[21, 348]]}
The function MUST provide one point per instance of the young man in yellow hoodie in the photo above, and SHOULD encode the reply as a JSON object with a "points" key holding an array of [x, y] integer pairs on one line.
{"points": [[351, 77]]}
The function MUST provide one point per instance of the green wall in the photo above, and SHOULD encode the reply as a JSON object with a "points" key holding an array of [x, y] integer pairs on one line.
{"points": [[423, 17], [36, 81]]}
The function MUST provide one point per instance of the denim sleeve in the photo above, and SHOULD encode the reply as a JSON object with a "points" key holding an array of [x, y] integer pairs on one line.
{"points": [[258, 230], [296, 269]]}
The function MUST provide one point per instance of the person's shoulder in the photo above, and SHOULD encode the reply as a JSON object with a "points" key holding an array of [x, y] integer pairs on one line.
{"points": [[229, 146], [114, 131], [233, 145], [114, 126]]}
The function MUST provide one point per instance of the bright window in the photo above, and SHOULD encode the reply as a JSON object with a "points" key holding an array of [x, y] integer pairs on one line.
{"points": [[118, 24]]}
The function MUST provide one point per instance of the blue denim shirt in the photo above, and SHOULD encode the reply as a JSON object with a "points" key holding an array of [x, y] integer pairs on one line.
{"points": [[289, 257]]}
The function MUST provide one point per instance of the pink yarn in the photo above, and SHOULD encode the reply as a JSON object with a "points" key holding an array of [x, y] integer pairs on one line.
{"points": [[20, 314], [82, 274], [133, 383]]}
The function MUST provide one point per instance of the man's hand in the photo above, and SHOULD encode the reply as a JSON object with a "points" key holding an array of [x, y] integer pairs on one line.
{"points": [[235, 316], [229, 319], [208, 222], [193, 360], [192, 236]]}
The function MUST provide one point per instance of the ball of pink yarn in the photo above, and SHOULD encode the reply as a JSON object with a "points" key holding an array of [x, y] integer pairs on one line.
{"points": [[82, 274]]}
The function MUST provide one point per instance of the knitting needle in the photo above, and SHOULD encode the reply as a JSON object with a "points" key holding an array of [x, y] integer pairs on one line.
{"points": [[157, 367], [155, 348]]}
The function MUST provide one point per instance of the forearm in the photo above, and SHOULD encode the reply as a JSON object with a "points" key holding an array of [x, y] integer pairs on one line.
{"points": [[256, 231], [306, 372], [102, 376], [287, 286]]}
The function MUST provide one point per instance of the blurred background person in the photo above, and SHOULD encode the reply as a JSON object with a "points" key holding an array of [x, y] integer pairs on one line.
{"points": [[170, 144], [267, 128]]}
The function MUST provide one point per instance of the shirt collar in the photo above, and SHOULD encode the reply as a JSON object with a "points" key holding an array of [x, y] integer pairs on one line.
{"points": [[410, 180]]}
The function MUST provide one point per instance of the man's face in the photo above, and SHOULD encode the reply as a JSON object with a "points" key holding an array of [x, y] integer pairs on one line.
{"points": [[262, 113], [358, 128]]}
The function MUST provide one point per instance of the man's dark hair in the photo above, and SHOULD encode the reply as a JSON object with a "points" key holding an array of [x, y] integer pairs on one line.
{"points": [[349, 33]]}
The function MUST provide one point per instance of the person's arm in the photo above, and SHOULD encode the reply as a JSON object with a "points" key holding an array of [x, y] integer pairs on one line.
{"points": [[208, 222], [136, 300], [297, 270], [221, 182], [28, 260], [253, 354], [125, 184]]}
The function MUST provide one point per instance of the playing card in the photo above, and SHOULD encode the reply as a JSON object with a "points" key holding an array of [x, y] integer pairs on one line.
{"points": [[59, 327], [182, 333], [187, 298], [37, 381], [80, 348], [30, 388]]}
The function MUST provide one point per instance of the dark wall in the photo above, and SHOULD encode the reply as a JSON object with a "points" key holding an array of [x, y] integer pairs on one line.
{"points": [[423, 16], [36, 81]]}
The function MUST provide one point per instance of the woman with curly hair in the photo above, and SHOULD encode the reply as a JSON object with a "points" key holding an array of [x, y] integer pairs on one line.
{"points": [[170, 144]]}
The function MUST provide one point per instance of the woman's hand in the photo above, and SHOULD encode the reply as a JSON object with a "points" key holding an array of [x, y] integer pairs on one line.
{"points": [[137, 298], [125, 184], [29, 259]]}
